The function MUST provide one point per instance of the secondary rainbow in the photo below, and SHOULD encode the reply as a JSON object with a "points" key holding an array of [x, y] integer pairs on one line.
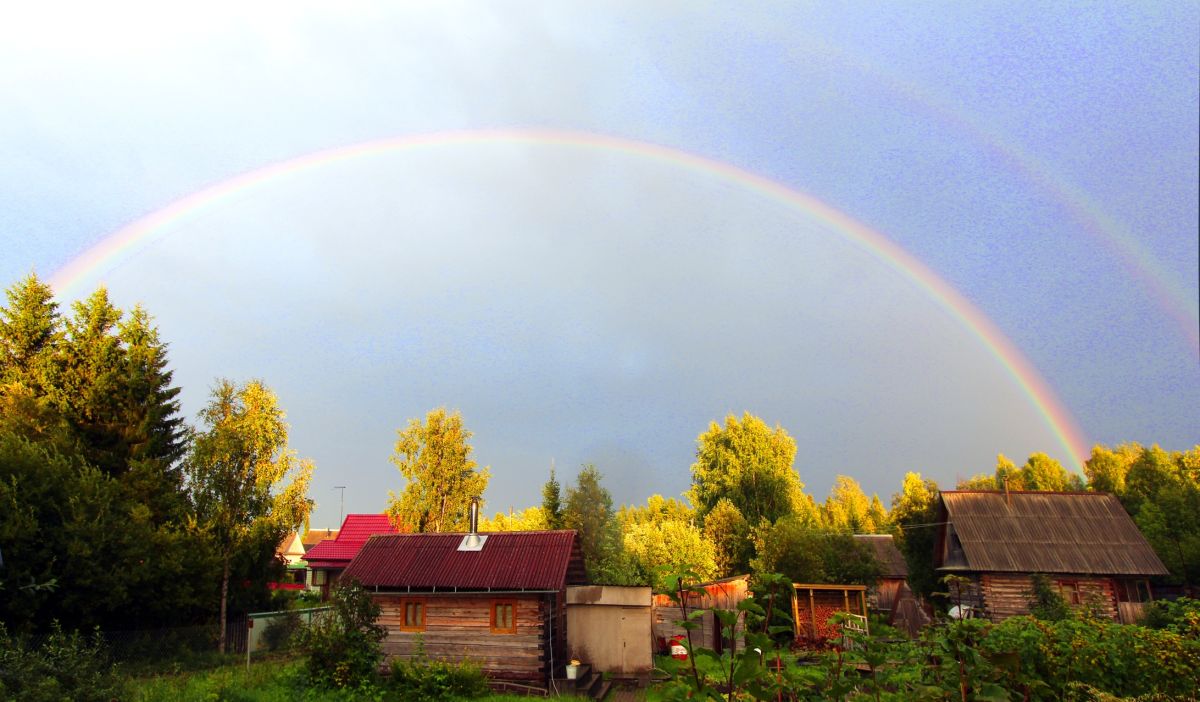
{"points": [[1041, 396], [1166, 289]]}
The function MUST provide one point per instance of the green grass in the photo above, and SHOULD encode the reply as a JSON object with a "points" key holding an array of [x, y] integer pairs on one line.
{"points": [[266, 681]]}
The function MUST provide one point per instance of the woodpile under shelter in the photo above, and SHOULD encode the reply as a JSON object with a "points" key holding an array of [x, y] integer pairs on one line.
{"points": [[814, 605], [497, 599], [1083, 542]]}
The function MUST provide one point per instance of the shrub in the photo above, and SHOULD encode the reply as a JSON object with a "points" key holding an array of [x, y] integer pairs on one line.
{"points": [[1045, 602], [65, 666], [343, 645], [440, 681], [281, 630], [1181, 616]]}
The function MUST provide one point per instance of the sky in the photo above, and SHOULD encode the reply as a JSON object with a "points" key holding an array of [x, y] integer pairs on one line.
{"points": [[914, 236]]}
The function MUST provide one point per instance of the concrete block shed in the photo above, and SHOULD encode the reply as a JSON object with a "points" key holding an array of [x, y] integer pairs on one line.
{"points": [[609, 627]]}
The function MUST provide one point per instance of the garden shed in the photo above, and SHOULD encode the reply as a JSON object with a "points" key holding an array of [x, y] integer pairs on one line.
{"points": [[715, 594], [497, 599], [609, 627], [1083, 542]]}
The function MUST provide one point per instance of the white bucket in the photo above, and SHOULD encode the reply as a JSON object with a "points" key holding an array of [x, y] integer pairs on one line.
{"points": [[572, 671]]}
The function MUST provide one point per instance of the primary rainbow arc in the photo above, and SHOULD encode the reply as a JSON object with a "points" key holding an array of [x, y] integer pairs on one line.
{"points": [[1038, 391]]}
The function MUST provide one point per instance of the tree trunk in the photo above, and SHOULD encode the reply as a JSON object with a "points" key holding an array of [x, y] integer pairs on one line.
{"points": [[224, 598]]}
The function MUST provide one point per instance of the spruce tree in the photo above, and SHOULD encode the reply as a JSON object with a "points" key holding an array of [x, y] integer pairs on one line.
{"points": [[92, 383], [552, 502], [151, 405], [30, 332]]}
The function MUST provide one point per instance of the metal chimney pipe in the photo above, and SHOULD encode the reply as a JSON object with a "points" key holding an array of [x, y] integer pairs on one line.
{"points": [[474, 515]]}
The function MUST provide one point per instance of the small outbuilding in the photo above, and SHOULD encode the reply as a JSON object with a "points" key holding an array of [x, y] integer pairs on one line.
{"points": [[814, 605], [725, 593], [890, 596], [609, 628], [497, 599], [1083, 542]]}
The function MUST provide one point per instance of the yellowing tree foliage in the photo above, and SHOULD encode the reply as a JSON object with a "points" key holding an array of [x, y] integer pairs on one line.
{"points": [[238, 473], [434, 457], [750, 464]]}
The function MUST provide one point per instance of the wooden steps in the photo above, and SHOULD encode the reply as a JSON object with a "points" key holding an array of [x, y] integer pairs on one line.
{"points": [[588, 683]]}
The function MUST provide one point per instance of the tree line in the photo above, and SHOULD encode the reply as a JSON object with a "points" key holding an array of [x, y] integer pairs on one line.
{"points": [[114, 512]]}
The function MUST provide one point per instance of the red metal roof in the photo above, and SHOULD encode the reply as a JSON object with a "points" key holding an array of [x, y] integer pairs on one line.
{"points": [[340, 550], [509, 561]]}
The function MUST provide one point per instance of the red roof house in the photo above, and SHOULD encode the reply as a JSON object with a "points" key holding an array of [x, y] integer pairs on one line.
{"points": [[497, 599], [330, 557]]}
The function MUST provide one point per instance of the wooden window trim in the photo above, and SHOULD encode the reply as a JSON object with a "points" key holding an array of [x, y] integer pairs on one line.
{"points": [[492, 624], [404, 603]]}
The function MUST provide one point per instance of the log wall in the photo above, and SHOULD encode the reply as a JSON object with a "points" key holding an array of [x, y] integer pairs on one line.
{"points": [[459, 628], [1008, 594]]}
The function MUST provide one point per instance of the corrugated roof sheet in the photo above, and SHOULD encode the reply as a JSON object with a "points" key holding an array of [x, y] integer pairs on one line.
{"points": [[340, 550], [312, 537], [515, 560], [883, 547], [1049, 532]]}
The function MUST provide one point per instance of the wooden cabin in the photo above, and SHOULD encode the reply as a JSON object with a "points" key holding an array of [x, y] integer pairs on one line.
{"points": [[1084, 542], [890, 596], [882, 595], [328, 558], [497, 599]]}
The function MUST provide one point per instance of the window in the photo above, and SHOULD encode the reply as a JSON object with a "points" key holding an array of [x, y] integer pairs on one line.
{"points": [[1070, 591], [318, 577], [504, 617], [413, 615]]}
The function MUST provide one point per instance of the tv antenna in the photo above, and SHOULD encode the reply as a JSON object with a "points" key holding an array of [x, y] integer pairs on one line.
{"points": [[341, 503]]}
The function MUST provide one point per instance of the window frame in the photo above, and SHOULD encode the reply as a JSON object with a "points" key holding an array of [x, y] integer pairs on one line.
{"points": [[512, 628], [419, 602]]}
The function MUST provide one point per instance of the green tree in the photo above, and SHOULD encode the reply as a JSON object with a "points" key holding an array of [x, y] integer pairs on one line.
{"points": [[529, 519], [243, 478], [750, 464], [1042, 472], [92, 381], [978, 482], [1008, 476], [729, 533], [847, 510], [589, 511], [30, 331], [154, 428], [806, 554], [1164, 500], [1106, 468], [434, 457], [914, 516], [552, 502], [662, 537]]}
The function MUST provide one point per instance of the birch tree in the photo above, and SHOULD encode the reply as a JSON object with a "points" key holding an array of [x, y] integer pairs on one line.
{"points": [[241, 474], [434, 457]]}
